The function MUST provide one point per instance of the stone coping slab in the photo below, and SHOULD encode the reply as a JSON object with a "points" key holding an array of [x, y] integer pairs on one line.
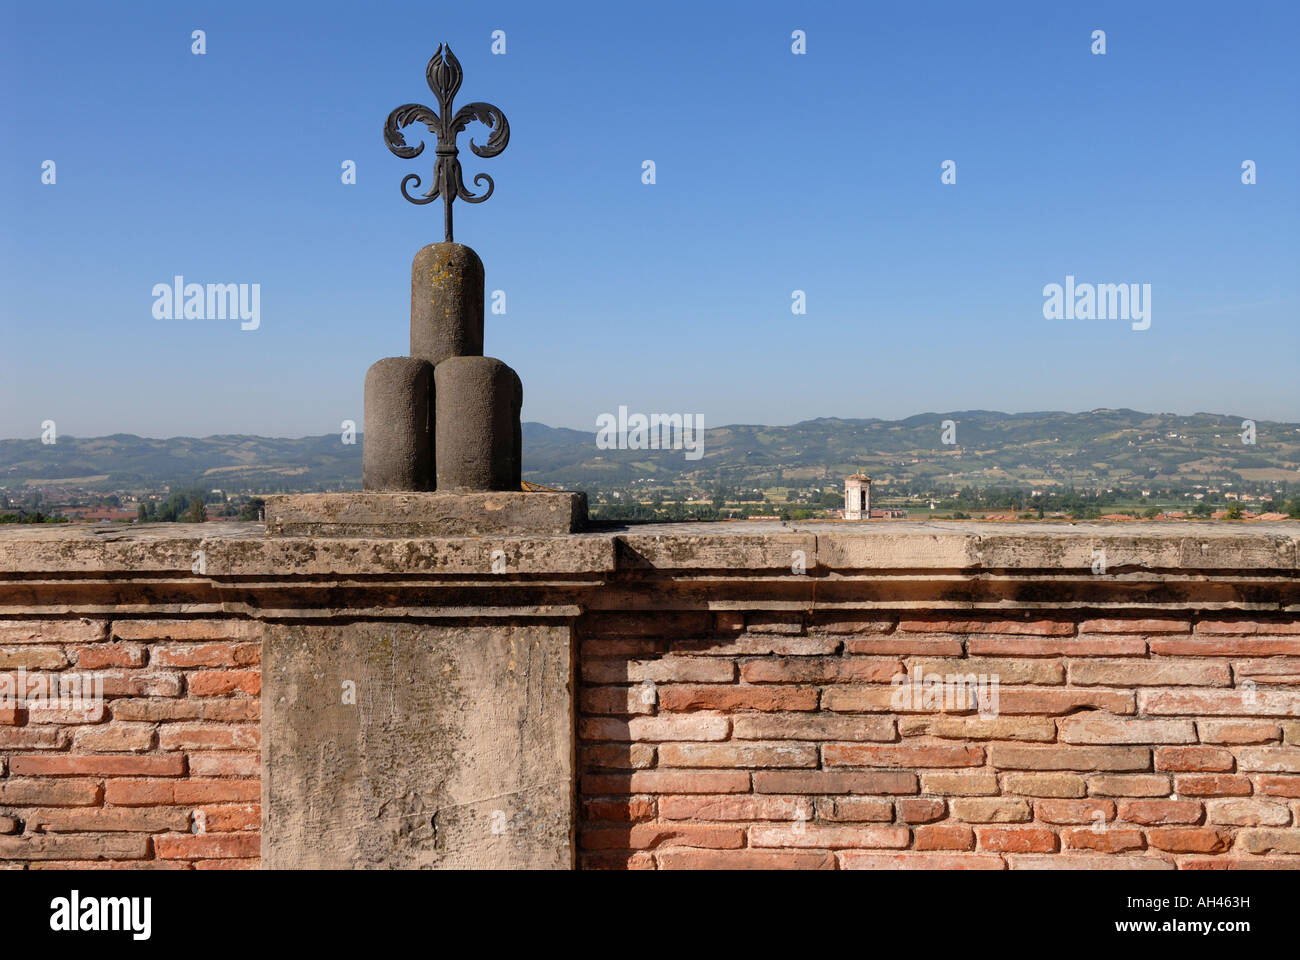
{"points": [[246, 550]]}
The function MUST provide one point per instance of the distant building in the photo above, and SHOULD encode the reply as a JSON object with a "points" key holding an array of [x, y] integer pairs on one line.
{"points": [[857, 497]]}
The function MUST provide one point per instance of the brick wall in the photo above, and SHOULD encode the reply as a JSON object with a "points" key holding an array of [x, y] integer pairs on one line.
{"points": [[167, 777], [769, 740]]}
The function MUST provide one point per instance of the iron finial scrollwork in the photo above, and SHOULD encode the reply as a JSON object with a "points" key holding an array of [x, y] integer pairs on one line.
{"points": [[444, 76]]}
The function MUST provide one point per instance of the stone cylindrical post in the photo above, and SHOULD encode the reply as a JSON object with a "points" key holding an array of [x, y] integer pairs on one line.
{"points": [[476, 402], [446, 303], [397, 447]]}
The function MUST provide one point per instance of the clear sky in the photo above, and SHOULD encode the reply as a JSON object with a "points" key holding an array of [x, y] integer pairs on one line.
{"points": [[775, 172]]}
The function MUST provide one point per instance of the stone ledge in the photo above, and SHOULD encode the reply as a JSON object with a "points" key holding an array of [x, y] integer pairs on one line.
{"points": [[243, 550]]}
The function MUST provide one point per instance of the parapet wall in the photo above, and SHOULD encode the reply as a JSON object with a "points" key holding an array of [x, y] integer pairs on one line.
{"points": [[676, 696]]}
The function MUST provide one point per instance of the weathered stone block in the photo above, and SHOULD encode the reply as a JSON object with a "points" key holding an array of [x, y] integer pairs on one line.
{"points": [[418, 746]]}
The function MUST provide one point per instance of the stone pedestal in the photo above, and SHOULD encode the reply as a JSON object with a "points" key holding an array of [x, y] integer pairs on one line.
{"points": [[439, 514], [417, 746]]}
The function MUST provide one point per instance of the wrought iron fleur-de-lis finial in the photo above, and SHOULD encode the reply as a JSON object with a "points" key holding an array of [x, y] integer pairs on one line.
{"points": [[444, 76]]}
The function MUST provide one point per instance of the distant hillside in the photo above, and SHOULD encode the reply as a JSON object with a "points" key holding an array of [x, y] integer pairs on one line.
{"points": [[1101, 447]]}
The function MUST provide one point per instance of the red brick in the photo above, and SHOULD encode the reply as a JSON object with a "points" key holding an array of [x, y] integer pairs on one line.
{"points": [[1083, 646], [679, 697], [738, 754], [788, 623], [1210, 646], [1212, 785], [638, 860], [659, 670], [1259, 703], [945, 836], [1016, 757], [225, 764], [811, 726], [1136, 625], [648, 836], [187, 630], [140, 793], [831, 622], [1103, 841], [1052, 785], [175, 736], [252, 863], [820, 670], [668, 781], [81, 846], [1016, 839], [1149, 673], [1249, 627], [99, 819], [215, 683], [1189, 840], [50, 793], [33, 738], [905, 645], [990, 809], [1086, 861], [870, 755], [195, 791], [920, 809], [617, 756], [759, 645], [854, 810], [1133, 785], [858, 860], [830, 836], [114, 737], [1238, 731], [1268, 841], [32, 658], [207, 846], [826, 781], [52, 631], [686, 859], [218, 711], [1269, 759], [196, 655], [621, 701], [1248, 813], [1277, 670], [1056, 702], [1194, 759], [960, 784], [229, 819], [91, 765], [1159, 812], [1074, 811], [1037, 628], [1101, 728], [1271, 786], [97, 656], [735, 807]]}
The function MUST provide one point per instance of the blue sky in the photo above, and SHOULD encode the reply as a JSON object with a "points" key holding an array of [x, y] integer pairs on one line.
{"points": [[775, 172]]}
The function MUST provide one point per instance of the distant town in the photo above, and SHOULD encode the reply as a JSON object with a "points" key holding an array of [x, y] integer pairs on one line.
{"points": [[650, 501], [1109, 465]]}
